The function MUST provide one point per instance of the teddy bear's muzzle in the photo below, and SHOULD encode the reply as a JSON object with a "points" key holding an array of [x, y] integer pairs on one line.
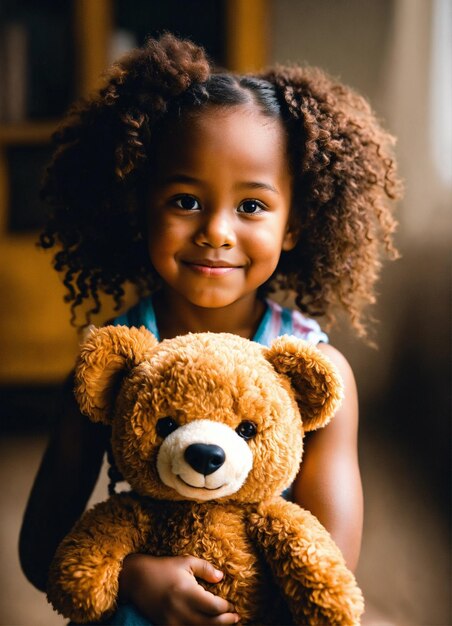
{"points": [[204, 460]]}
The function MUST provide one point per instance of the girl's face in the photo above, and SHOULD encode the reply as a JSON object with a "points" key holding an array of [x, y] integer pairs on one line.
{"points": [[219, 205]]}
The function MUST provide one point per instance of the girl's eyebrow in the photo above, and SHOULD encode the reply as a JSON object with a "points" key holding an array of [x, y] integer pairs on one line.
{"points": [[191, 180], [257, 185]]}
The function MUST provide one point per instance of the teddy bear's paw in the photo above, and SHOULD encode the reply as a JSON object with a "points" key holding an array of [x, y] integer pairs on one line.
{"points": [[80, 598], [334, 608]]}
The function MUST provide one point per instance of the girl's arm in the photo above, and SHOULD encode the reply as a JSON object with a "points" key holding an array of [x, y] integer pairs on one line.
{"points": [[329, 481], [65, 480]]}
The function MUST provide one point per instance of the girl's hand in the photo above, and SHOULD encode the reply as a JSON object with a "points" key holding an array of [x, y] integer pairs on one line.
{"points": [[165, 590]]}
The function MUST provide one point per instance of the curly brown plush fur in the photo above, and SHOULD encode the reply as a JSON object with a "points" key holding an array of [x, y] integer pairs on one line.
{"points": [[344, 178], [170, 405]]}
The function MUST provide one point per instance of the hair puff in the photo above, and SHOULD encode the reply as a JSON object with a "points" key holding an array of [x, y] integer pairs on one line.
{"points": [[93, 184], [345, 183]]}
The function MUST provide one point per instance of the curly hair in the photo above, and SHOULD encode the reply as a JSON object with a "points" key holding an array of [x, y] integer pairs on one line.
{"points": [[344, 174]]}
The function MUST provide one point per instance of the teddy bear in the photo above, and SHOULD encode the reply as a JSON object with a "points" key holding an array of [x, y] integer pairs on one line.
{"points": [[207, 429]]}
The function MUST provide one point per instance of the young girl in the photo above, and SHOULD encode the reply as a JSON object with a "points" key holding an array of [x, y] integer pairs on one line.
{"points": [[207, 191]]}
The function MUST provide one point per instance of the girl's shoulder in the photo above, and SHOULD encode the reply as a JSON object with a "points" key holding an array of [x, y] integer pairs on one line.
{"points": [[279, 320]]}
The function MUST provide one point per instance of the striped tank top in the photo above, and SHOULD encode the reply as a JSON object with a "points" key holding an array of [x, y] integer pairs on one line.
{"points": [[276, 321]]}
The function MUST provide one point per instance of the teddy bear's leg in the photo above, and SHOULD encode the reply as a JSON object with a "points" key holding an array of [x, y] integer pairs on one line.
{"points": [[307, 565]]}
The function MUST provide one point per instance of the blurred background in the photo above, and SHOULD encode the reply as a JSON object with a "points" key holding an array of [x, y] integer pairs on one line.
{"points": [[398, 53]]}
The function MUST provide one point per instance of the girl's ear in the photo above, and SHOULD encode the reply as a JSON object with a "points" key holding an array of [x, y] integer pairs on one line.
{"points": [[291, 235], [316, 384], [106, 354], [290, 240]]}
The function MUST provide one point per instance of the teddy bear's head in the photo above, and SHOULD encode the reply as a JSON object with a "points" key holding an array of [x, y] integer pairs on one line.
{"points": [[205, 416]]}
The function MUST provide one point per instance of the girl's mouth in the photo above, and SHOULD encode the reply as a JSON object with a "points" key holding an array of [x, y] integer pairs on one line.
{"points": [[211, 269], [208, 270]]}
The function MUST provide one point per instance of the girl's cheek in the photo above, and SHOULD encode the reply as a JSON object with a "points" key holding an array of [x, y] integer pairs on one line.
{"points": [[267, 242]]}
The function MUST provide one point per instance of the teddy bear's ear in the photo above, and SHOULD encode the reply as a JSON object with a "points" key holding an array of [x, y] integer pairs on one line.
{"points": [[315, 381], [106, 354]]}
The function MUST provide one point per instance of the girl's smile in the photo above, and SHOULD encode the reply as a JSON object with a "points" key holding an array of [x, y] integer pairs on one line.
{"points": [[219, 205], [211, 268]]}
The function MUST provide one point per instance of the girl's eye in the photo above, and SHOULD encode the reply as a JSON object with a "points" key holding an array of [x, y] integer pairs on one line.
{"points": [[188, 203], [165, 426], [251, 207], [246, 430]]}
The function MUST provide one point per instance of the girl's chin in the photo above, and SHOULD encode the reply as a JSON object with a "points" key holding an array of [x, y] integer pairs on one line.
{"points": [[210, 297], [216, 299], [212, 302]]}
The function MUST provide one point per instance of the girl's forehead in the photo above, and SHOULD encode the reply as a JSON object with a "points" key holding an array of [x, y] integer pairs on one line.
{"points": [[217, 134], [215, 120]]}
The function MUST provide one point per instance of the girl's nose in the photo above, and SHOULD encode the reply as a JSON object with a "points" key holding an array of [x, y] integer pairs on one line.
{"points": [[216, 231]]}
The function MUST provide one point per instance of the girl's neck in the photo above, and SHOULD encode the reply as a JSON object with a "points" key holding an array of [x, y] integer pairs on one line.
{"points": [[175, 316]]}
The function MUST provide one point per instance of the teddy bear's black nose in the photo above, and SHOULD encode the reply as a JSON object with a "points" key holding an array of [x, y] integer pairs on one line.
{"points": [[204, 458]]}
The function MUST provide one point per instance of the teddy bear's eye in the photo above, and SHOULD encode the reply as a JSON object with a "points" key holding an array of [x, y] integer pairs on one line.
{"points": [[165, 426], [246, 429]]}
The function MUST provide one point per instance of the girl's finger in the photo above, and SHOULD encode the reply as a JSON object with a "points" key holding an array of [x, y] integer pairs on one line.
{"points": [[208, 603], [200, 619], [204, 570], [220, 620]]}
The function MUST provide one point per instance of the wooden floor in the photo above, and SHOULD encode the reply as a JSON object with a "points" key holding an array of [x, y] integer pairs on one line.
{"points": [[404, 568]]}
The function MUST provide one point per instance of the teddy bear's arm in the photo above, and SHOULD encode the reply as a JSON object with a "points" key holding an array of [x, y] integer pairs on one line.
{"points": [[83, 577], [307, 565]]}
